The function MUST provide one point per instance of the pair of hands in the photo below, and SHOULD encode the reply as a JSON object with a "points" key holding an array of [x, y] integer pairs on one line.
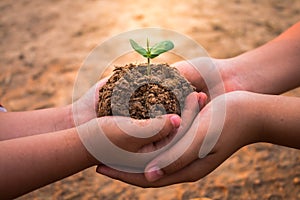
{"points": [[247, 114], [186, 157]]}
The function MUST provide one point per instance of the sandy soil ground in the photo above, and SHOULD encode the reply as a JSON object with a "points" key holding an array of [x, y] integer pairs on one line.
{"points": [[43, 44]]}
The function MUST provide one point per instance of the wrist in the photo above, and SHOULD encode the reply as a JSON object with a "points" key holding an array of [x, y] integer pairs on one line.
{"points": [[68, 117], [257, 106], [230, 74], [81, 135], [248, 109]]}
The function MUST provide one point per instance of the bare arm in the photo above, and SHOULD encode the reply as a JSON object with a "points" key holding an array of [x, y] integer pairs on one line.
{"points": [[20, 124], [273, 68], [281, 120], [28, 163]]}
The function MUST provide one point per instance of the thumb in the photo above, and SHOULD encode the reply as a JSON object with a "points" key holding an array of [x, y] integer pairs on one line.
{"points": [[181, 154]]}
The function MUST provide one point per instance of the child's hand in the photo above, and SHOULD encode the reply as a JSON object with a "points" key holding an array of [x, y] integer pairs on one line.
{"points": [[133, 143]]}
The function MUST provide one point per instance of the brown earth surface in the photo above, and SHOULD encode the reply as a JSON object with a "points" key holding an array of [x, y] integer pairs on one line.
{"points": [[43, 44], [130, 92]]}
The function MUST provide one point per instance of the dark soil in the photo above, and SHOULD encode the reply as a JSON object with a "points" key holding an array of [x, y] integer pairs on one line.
{"points": [[130, 91]]}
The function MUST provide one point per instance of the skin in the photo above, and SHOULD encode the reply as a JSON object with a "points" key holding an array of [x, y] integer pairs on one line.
{"points": [[251, 81], [40, 147]]}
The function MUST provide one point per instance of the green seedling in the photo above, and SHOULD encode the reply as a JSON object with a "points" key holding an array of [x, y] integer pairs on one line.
{"points": [[152, 52]]}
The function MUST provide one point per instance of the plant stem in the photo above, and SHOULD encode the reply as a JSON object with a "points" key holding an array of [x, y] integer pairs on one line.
{"points": [[148, 67], [148, 58]]}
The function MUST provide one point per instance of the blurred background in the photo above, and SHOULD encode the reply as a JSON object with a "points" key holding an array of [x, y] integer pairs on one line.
{"points": [[44, 43]]}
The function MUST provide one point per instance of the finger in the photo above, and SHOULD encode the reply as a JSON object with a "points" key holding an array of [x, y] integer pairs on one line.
{"points": [[196, 170], [191, 109], [193, 103], [137, 179], [193, 172], [131, 134], [202, 99], [184, 152]]}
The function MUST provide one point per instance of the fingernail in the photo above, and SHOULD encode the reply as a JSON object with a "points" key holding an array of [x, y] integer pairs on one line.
{"points": [[175, 120], [154, 174]]}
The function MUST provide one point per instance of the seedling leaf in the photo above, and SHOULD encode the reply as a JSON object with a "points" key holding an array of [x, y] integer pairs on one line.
{"points": [[138, 48], [160, 48]]}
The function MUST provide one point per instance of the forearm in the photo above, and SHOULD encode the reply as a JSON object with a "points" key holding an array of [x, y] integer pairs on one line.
{"points": [[280, 116], [20, 124], [35, 161], [273, 68], [263, 118]]}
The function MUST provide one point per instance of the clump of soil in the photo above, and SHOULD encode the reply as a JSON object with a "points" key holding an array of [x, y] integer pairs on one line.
{"points": [[131, 92]]}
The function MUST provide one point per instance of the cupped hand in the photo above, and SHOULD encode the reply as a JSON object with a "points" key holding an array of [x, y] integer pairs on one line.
{"points": [[240, 123], [209, 75], [114, 140], [128, 144], [84, 109]]}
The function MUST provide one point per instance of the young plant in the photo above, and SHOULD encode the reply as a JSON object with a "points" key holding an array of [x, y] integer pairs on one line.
{"points": [[152, 52]]}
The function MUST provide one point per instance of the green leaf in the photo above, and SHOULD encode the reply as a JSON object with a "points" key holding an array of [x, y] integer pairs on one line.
{"points": [[160, 48], [138, 48]]}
